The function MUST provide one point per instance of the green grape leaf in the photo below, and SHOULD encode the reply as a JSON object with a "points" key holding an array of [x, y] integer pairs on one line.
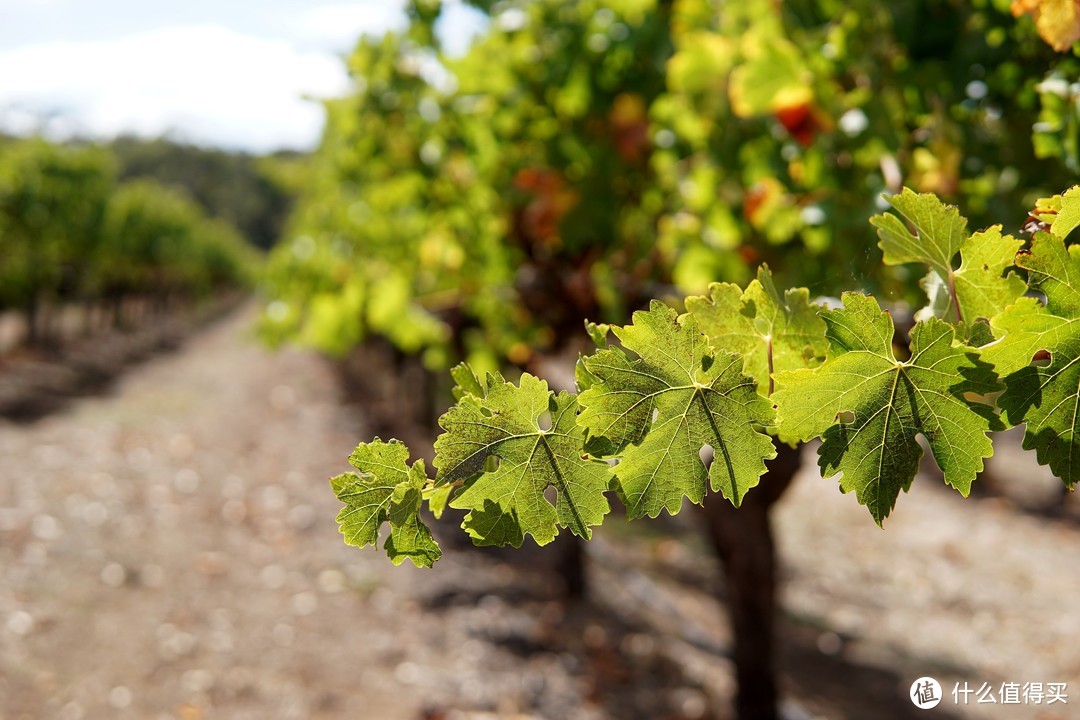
{"points": [[465, 382], [507, 502], [1068, 215], [438, 496], [772, 332], [385, 490], [598, 333], [659, 410], [1047, 396], [940, 231], [980, 288], [868, 407]]}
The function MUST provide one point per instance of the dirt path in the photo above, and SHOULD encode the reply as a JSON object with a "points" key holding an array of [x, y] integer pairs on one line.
{"points": [[169, 552]]}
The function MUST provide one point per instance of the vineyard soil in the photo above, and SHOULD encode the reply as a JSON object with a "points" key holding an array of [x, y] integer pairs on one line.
{"points": [[165, 553]]}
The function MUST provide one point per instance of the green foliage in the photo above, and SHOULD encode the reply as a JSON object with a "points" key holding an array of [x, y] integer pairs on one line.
{"points": [[980, 288], [52, 200], [1057, 132], [507, 502], [868, 407], [1044, 395], [69, 230], [669, 385], [658, 410], [584, 157], [386, 490], [253, 194]]}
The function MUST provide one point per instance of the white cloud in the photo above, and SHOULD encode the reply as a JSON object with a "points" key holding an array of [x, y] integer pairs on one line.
{"points": [[209, 83], [217, 73], [340, 26]]}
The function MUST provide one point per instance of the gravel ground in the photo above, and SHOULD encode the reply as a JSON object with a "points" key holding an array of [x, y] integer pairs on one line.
{"points": [[966, 590], [168, 551]]}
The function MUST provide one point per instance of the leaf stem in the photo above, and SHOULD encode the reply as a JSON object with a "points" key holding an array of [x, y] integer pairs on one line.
{"points": [[430, 486], [953, 300], [769, 357]]}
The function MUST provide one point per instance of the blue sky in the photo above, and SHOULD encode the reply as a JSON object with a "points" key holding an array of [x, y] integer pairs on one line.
{"points": [[226, 73]]}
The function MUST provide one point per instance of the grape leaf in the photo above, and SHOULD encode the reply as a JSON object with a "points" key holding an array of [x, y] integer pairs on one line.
{"points": [[868, 406], [508, 502], [385, 490], [979, 288], [465, 382], [658, 410], [1068, 215], [1046, 397], [772, 332], [1058, 21], [940, 231], [598, 334]]}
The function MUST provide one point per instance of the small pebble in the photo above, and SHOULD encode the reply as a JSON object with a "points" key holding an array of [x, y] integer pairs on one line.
{"points": [[113, 575], [305, 603], [45, 527], [120, 697], [20, 622]]}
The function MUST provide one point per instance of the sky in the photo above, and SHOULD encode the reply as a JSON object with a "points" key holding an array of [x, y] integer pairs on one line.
{"points": [[234, 74]]}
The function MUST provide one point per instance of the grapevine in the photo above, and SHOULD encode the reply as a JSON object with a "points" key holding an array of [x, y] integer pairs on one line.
{"points": [[685, 403], [70, 232], [612, 152], [622, 155], [668, 390]]}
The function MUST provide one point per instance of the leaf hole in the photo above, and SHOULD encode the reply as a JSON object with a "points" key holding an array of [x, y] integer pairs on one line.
{"points": [[655, 414], [845, 417], [706, 453], [491, 464], [1042, 358], [544, 421], [551, 494]]}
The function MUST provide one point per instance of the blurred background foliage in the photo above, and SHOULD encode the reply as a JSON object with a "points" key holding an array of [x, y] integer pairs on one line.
{"points": [[583, 157], [72, 232]]}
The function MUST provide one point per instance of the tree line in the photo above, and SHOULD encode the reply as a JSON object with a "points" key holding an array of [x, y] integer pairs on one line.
{"points": [[71, 231]]}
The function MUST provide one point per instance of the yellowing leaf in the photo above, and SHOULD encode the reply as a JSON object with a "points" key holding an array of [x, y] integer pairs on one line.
{"points": [[1058, 21], [773, 76]]}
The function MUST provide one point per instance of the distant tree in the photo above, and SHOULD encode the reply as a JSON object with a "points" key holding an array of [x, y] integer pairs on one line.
{"points": [[237, 187]]}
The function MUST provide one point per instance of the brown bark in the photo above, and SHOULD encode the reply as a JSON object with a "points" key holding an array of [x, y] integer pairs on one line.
{"points": [[743, 540]]}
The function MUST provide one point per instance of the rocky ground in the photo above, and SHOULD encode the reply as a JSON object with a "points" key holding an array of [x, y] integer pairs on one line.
{"points": [[168, 550]]}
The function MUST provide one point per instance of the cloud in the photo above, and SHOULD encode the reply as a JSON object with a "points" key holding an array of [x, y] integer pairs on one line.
{"points": [[340, 26], [212, 72], [208, 83]]}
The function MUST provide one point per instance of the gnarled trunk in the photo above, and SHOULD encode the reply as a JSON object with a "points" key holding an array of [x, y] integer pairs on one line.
{"points": [[743, 540]]}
